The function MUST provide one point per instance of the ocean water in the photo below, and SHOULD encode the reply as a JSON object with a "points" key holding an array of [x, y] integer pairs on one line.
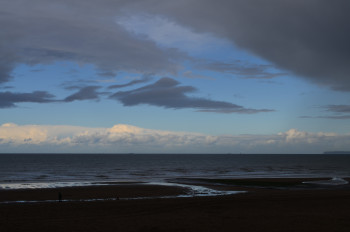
{"points": [[56, 170]]}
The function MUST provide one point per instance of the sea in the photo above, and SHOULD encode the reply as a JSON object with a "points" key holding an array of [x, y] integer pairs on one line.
{"points": [[27, 171]]}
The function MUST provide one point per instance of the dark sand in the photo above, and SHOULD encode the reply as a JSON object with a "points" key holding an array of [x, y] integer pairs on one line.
{"points": [[121, 191], [261, 209]]}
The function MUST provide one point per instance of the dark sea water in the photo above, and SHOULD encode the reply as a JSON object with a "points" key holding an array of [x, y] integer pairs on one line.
{"points": [[55, 170]]}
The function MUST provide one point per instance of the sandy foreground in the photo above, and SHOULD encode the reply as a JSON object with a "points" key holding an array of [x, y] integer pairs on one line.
{"points": [[265, 207]]}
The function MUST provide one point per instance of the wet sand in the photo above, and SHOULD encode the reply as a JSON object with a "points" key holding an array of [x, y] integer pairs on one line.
{"points": [[261, 209], [121, 191]]}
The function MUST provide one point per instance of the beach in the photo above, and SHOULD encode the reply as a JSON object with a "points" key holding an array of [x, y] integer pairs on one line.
{"points": [[139, 207]]}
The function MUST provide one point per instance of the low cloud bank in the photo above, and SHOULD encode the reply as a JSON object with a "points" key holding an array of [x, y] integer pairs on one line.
{"points": [[126, 138]]}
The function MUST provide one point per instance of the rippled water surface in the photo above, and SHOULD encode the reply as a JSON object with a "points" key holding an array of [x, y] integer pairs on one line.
{"points": [[53, 170]]}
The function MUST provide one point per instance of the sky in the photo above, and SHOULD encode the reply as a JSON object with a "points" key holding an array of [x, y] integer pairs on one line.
{"points": [[185, 76]]}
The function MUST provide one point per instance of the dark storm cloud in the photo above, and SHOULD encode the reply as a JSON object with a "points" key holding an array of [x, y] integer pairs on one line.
{"points": [[168, 93], [7, 63], [84, 93], [310, 38], [134, 82], [9, 99], [42, 32]]}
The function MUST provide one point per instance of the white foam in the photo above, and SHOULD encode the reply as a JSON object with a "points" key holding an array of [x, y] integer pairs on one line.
{"points": [[41, 185], [193, 191], [334, 181], [199, 191]]}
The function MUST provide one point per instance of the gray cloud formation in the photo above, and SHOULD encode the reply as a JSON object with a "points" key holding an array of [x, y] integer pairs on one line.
{"points": [[338, 108], [146, 78], [84, 93], [310, 38], [42, 32], [242, 69], [168, 93], [107, 74], [9, 99], [340, 112], [338, 117], [7, 63]]}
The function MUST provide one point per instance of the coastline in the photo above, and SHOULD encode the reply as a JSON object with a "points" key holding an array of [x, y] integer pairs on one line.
{"points": [[260, 209], [90, 193], [173, 188]]}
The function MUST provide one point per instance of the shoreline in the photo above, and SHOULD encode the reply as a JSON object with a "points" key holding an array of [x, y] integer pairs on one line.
{"points": [[260, 209], [174, 188], [85, 193]]}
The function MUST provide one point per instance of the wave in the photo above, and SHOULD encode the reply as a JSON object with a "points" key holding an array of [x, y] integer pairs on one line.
{"points": [[333, 182]]}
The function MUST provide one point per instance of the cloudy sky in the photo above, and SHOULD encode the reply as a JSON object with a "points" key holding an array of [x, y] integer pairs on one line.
{"points": [[213, 76]]}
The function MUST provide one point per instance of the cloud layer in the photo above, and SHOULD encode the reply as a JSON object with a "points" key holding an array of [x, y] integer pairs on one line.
{"points": [[9, 99], [144, 79], [338, 112], [309, 38], [126, 138], [168, 93], [42, 32], [84, 93], [242, 69]]}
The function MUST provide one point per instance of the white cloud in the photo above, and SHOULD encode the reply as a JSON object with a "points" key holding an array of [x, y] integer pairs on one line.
{"points": [[11, 133], [127, 138], [295, 136]]}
